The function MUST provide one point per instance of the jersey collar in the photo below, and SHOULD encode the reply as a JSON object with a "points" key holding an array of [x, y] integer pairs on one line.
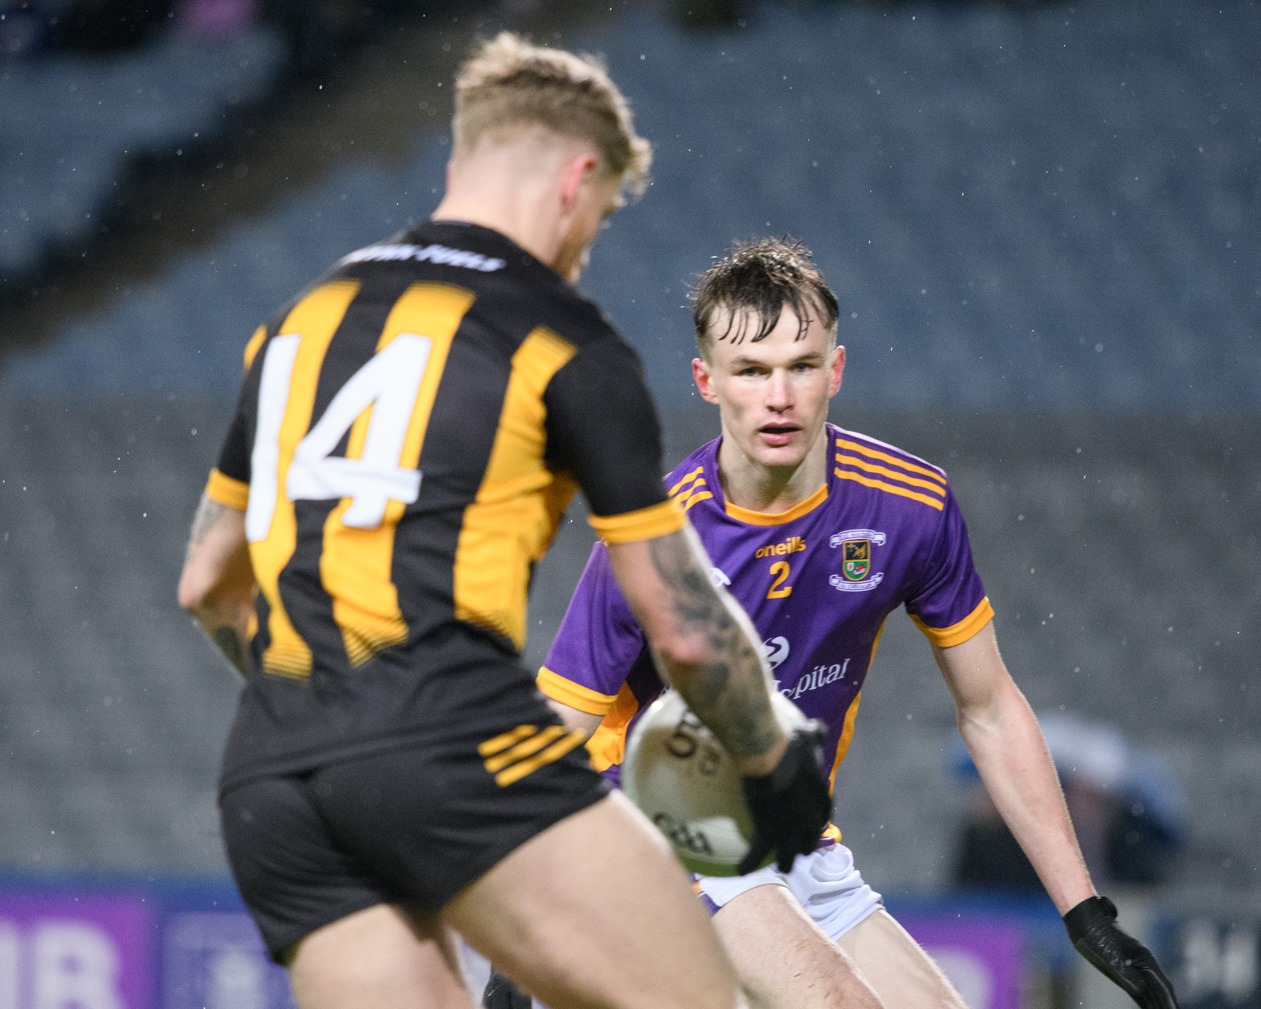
{"points": [[756, 518]]}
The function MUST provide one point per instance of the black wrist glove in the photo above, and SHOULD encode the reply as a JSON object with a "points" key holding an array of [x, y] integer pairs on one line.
{"points": [[501, 993], [1126, 962], [790, 806]]}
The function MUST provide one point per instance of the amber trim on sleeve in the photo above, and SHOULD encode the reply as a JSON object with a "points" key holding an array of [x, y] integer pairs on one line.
{"points": [[965, 629], [642, 524], [251, 348], [574, 694], [228, 491]]}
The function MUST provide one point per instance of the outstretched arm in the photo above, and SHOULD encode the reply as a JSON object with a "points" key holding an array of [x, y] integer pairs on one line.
{"points": [[217, 584], [1002, 735], [1007, 747]]}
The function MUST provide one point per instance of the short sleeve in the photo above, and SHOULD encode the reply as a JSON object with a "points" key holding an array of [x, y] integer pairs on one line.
{"points": [[949, 604], [234, 456], [602, 427], [229, 482], [597, 644]]}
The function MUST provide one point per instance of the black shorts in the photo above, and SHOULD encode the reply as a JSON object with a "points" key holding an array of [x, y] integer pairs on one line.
{"points": [[411, 825]]}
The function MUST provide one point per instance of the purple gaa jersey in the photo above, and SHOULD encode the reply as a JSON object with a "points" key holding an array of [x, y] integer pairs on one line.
{"points": [[818, 582]]}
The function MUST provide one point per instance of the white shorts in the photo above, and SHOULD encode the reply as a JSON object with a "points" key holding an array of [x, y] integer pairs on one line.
{"points": [[825, 883]]}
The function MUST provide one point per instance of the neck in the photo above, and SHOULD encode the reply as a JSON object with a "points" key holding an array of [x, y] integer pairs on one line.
{"points": [[520, 206], [749, 484], [507, 221], [509, 189]]}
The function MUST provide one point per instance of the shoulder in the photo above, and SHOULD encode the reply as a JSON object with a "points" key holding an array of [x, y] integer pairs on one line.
{"points": [[865, 445], [514, 292], [689, 480], [885, 469]]}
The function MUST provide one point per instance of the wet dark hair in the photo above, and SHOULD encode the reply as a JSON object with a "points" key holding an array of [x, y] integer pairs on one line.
{"points": [[762, 276]]}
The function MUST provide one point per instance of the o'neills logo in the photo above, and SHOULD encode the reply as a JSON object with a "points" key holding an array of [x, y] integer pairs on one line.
{"points": [[792, 545]]}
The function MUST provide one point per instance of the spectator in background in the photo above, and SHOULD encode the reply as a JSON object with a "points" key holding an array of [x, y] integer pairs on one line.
{"points": [[1124, 804]]}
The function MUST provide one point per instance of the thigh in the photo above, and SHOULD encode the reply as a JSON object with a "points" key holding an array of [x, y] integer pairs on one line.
{"points": [[379, 958], [783, 959], [596, 911], [903, 975]]}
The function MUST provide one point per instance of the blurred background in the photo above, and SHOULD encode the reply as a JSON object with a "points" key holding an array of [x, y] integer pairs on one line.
{"points": [[1043, 224]]}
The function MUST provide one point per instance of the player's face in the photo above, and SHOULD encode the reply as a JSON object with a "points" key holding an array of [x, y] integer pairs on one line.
{"points": [[773, 394], [597, 198]]}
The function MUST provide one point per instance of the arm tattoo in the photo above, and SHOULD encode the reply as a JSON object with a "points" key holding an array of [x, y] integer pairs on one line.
{"points": [[729, 693], [209, 514], [228, 640]]}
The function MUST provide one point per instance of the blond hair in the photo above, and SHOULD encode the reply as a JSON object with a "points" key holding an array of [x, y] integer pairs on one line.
{"points": [[508, 81]]}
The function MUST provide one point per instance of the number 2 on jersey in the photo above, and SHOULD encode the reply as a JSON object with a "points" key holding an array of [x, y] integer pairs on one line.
{"points": [[388, 385], [781, 569]]}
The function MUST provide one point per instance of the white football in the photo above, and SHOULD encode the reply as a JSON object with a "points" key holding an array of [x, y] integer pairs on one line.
{"points": [[680, 776]]}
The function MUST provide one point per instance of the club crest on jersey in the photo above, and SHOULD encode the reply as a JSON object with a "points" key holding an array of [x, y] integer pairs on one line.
{"points": [[856, 560]]}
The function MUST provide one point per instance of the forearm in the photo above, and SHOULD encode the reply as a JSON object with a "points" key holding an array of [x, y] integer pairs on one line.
{"points": [[217, 583], [1012, 758], [718, 668], [228, 628], [706, 647]]}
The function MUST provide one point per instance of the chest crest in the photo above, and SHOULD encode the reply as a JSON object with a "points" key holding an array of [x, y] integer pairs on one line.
{"points": [[858, 559]]}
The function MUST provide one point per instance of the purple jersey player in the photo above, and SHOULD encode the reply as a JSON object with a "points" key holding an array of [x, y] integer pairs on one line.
{"points": [[818, 580], [821, 533]]}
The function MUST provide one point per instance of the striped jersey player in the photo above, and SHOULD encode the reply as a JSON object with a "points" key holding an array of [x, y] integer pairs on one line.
{"points": [[409, 431]]}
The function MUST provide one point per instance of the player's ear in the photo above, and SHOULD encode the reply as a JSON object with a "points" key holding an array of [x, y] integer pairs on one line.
{"points": [[704, 383], [838, 370], [576, 171]]}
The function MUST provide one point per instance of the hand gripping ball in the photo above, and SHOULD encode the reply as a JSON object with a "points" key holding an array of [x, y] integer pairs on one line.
{"points": [[683, 780]]}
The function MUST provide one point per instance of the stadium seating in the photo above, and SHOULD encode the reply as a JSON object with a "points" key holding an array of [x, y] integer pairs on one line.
{"points": [[75, 126]]}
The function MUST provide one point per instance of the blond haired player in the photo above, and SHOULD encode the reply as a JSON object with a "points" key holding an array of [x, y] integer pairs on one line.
{"points": [[409, 431]]}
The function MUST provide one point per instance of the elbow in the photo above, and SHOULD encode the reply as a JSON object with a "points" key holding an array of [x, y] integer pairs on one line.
{"points": [[681, 655], [675, 642], [192, 593]]}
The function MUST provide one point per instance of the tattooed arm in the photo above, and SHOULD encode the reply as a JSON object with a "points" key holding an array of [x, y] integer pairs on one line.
{"points": [[217, 584], [703, 642]]}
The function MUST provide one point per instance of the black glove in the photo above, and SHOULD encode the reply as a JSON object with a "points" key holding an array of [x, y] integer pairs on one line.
{"points": [[1126, 962], [501, 993], [790, 806]]}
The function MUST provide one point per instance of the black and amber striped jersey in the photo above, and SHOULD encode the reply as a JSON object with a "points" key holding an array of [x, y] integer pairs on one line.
{"points": [[409, 432]]}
